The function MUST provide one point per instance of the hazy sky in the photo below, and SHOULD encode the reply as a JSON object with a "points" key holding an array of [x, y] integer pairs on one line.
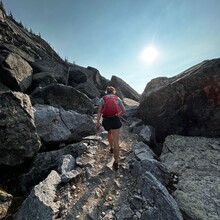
{"points": [[111, 35]]}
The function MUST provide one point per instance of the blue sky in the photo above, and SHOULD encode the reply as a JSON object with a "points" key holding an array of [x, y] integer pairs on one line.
{"points": [[110, 35]]}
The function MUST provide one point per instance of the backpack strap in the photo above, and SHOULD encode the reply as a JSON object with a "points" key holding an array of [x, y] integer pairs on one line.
{"points": [[107, 97]]}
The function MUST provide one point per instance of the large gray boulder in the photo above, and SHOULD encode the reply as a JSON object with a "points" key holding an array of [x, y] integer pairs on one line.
{"points": [[40, 204], [16, 73], [146, 133], [55, 125], [159, 203], [67, 169], [87, 80], [187, 104], [43, 79], [146, 160], [123, 89], [67, 97], [58, 71], [152, 176], [41, 166], [131, 107], [16, 50], [18, 136], [196, 161]]}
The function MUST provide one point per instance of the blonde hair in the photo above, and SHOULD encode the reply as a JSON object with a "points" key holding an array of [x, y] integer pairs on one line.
{"points": [[110, 90]]}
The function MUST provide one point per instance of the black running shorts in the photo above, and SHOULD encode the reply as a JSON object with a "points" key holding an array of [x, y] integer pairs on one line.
{"points": [[111, 123]]}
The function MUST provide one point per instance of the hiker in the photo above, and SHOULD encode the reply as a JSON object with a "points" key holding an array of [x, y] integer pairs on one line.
{"points": [[111, 108]]}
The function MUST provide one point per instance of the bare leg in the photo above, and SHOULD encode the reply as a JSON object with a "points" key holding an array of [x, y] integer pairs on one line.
{"points": [[110, 139], [115, 134]]}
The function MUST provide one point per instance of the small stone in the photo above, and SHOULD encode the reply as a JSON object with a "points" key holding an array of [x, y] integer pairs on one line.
{"points": [[98, 193], [134, 217], [138, 214]]}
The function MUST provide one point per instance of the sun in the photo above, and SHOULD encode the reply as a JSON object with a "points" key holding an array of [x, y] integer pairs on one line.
{"points": [[149, 54]]}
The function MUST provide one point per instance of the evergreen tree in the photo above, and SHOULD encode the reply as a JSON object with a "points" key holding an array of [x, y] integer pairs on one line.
{"points": [[66, 59], [2, 5], [21, 24], [10, 15]]}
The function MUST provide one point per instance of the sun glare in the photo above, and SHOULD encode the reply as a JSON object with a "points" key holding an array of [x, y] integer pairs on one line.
{"points": [[149, 54]]}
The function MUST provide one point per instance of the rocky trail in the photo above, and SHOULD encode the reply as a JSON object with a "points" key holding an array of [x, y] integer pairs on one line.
{"points": [[101, 192], [52, 168], [142, 188]]}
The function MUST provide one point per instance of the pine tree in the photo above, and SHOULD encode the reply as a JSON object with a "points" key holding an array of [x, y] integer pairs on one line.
{"points": [[66, 59], [10, 15], [2, 5], [21, 24]]}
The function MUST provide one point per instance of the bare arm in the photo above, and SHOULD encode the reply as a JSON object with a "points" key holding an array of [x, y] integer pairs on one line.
{"points": [[99, 114], [122, 109]]}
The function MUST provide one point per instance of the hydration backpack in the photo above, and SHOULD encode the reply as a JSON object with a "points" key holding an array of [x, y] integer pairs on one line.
{"points": [[110, 108]]}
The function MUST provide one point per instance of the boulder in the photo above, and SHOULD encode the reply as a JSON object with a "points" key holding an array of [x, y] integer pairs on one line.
{"points": [[142, 151], [10, 48], [16, 73], [76, 75], [125, 212], [67, 168], [196, 161], [43, 79], [67, 97], [57, 126], [89, 89], [123, 89], [159, 203], [146, 160], [42, 165], [18, 136], [131, 107], [3, 88], [40, 204], [187, 104], [48, 67], [5, 202], [136, 125], [146, 133], [87, 80]]}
